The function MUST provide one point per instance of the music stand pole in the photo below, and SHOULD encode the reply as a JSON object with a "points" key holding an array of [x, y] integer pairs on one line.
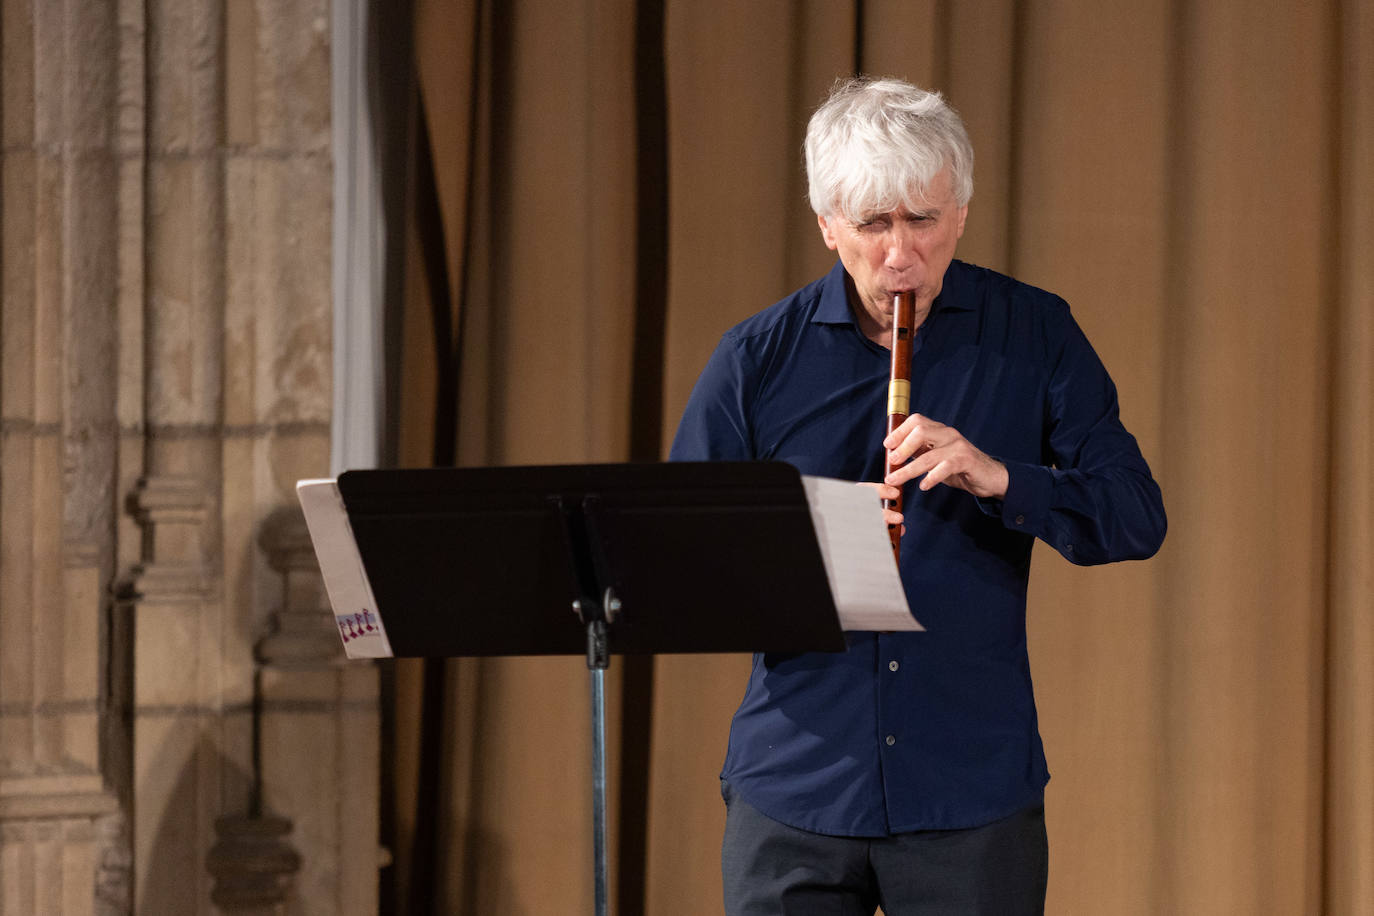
{"points": [[599, 788], [598, 660]]}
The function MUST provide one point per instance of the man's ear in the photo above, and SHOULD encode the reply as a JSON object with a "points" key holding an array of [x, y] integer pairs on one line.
{"points": [[827, 232]]}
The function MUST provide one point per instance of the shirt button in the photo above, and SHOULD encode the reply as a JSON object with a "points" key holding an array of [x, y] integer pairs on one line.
{"points": [[891, 740], [1020, 519], [892, 666]]}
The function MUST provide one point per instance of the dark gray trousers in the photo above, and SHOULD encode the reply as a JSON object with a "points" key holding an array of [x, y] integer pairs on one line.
{"points": [[999, 869]]}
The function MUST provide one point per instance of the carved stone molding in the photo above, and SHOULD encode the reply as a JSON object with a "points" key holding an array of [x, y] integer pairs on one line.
{"points": [[303, 633], [252, 864], [55, 797], [171, 509], [65, 861]]}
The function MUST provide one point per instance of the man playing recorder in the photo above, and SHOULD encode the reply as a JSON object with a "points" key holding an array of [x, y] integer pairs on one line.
{"points": [[907, 772]]}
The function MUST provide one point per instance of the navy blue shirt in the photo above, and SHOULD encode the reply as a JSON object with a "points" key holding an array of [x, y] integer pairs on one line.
{"points": [[934, 729]]}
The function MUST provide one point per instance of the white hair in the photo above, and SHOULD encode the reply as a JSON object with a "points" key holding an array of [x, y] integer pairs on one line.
{"points": [[875, 145]]}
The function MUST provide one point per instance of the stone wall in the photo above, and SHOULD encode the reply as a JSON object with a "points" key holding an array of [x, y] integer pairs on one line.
{"points": [[165, 376]]}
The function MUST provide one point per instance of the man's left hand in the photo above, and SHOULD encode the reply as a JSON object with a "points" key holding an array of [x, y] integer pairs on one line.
{"points": [[940, 454]]}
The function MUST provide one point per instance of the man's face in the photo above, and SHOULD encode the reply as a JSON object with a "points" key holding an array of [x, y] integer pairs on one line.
{"points": [[888, 253]]}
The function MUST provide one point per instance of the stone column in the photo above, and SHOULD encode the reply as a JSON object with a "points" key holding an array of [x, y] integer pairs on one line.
{"points": [[165, 204], [61, 161], [278, 187], [191, 717]]}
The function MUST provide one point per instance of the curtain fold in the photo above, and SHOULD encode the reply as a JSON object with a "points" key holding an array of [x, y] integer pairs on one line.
{"points": [[619, 181], [1347, 845]]}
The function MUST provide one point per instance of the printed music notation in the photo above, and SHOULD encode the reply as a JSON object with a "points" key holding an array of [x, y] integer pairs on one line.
{"points": [[361, 628], [356, 626]]}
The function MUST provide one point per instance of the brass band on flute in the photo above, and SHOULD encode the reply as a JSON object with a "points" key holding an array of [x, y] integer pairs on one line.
{"points": [[899, 393]]}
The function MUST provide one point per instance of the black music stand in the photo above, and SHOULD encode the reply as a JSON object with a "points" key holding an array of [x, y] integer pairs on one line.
{"points": [[594, 559]]}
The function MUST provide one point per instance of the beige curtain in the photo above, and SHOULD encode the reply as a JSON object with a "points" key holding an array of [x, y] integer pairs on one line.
{"points": [[1195, 178]]}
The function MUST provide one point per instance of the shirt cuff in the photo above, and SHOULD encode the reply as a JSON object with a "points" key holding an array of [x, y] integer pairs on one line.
{"points": [[1027, 503]]}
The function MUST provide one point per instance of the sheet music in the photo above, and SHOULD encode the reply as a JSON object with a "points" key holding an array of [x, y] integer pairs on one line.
{"points": [[858, 556], [345, 579]]}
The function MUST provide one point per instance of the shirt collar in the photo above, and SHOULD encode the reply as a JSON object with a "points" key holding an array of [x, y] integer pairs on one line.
{"points": [[834, 304]]}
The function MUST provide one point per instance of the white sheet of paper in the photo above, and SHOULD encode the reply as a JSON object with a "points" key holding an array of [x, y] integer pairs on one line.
{"points": [[345, 579], [858, 556]]}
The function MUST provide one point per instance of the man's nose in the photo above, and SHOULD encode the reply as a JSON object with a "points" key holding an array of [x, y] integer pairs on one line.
{"points": [[901, 246]]}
